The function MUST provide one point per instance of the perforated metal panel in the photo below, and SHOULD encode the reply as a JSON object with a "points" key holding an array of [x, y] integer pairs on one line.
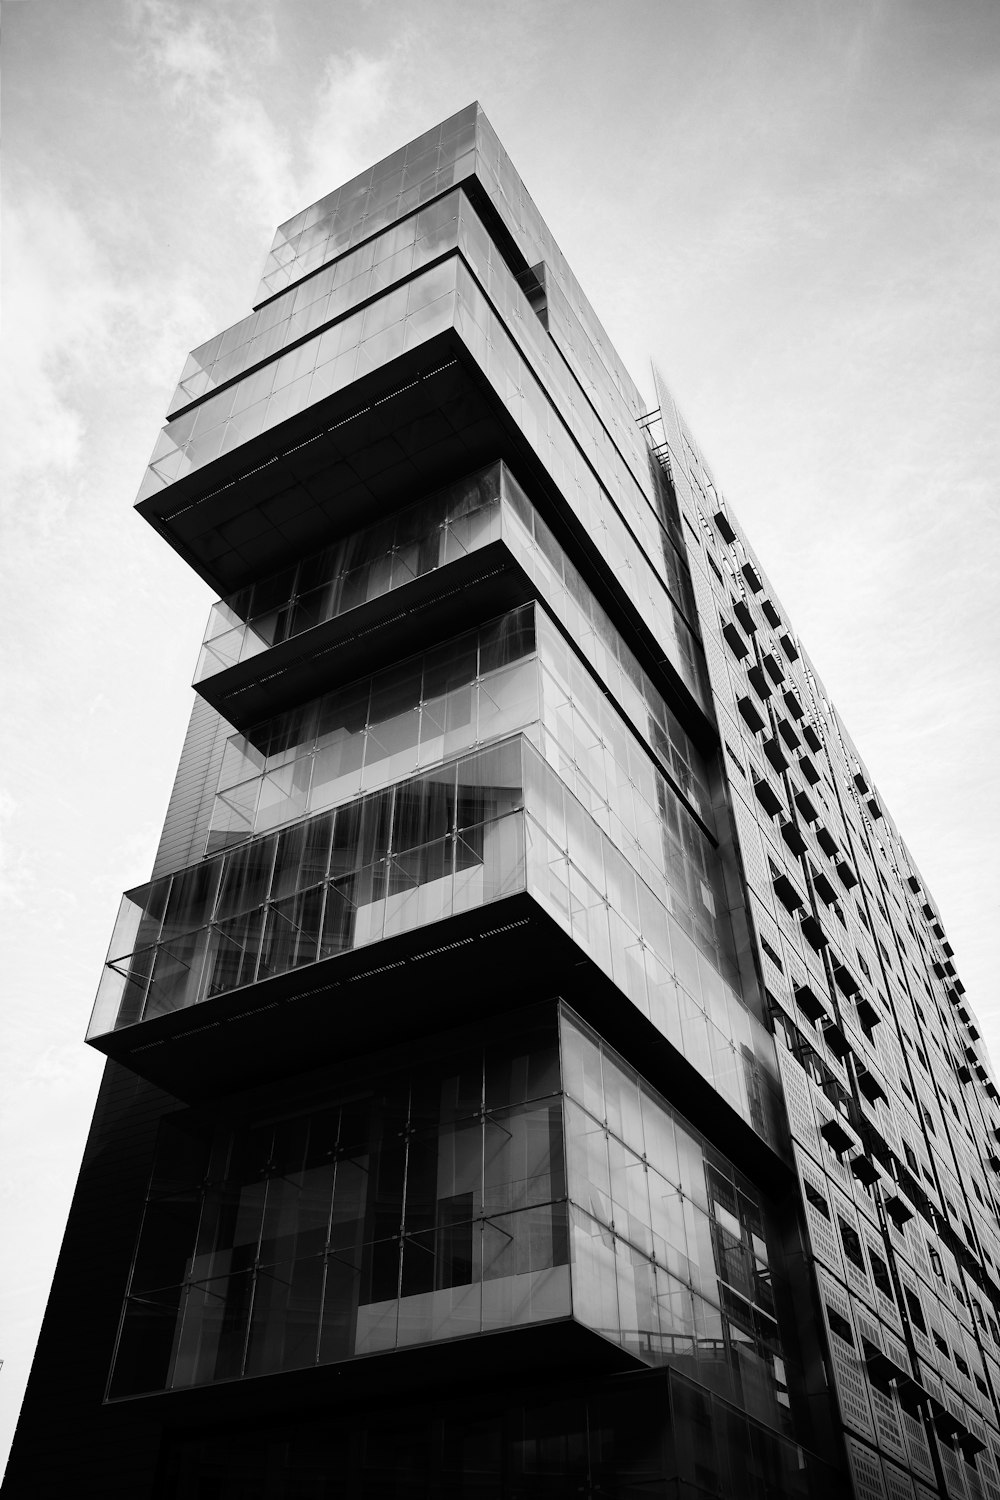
{"points": [[857, 1279], [916, 1445], [718, 667], [954, 1480], [896, 1349], [798, 1102], [864, 1202], [890, 1434], [973, 1482], [748, 837], [884, 1306], [823, 1237], [898, 1486], [866, 1471], [885, 1407], [849, 1369], [989, 1476]]}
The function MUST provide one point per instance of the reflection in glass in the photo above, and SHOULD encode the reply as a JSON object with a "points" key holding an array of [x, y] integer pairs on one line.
{"points": [[428, 535], [496, 807], [360, 208], [324, 887], [475, 688], [535, 391], [298, 378], [460, 1193], [669, 1244], [402, 1211]]}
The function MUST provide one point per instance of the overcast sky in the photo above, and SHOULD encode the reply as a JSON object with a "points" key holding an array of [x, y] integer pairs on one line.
{"points": [[792, 205]]}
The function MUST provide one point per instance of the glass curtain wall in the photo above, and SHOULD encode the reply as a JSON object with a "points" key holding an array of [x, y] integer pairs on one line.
{"points": [[354, 570], [480, 509], [516, 673], [413, 1207], [475, 689], [537, 385], [384, 260], [609, 435], [330, 361], [413, 853], [671, 1251], [477, 830], [465, 692], [487, 1187], [386, 192]]}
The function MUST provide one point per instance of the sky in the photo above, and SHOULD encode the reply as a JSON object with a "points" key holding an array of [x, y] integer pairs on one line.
{"points": [[792, 205]]}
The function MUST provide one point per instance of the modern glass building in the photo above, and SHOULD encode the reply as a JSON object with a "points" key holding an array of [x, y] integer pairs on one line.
{"points": [[536, 1066]]}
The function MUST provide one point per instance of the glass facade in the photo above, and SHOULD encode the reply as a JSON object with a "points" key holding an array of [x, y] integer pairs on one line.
{"points": [[477, 687], [421, 1206], [517, 673], [385, 193], [354, 570], [671, 1250], [487, 1187], [486, 507], [414, 853], [474, 291], [330, 361], [349, 282], [478, 829], [394, 188]]}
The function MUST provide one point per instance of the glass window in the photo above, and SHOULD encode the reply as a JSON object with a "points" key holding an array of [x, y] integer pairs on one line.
{"points": [[356, 1226], [376, 731]]}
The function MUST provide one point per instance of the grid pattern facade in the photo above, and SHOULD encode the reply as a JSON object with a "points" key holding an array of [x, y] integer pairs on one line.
{"points": [[891, 1103], [535, 1046]]}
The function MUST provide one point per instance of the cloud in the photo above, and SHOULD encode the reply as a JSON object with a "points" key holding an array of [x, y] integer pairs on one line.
{"points": [[211, 65], [208, 62], [176, 44], [356, 94], [106, 298], [92, 322], [45, 247], [17, 881]]}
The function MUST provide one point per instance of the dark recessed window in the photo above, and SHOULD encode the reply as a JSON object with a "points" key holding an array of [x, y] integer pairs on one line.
{"points": [[817, 1200], [852, 1244], [772, 955], [839, 1326], [880, 1275], [915, 1310]]}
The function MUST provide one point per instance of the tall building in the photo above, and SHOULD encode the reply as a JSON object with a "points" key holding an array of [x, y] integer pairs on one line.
{"points": [[536, 1066]]}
